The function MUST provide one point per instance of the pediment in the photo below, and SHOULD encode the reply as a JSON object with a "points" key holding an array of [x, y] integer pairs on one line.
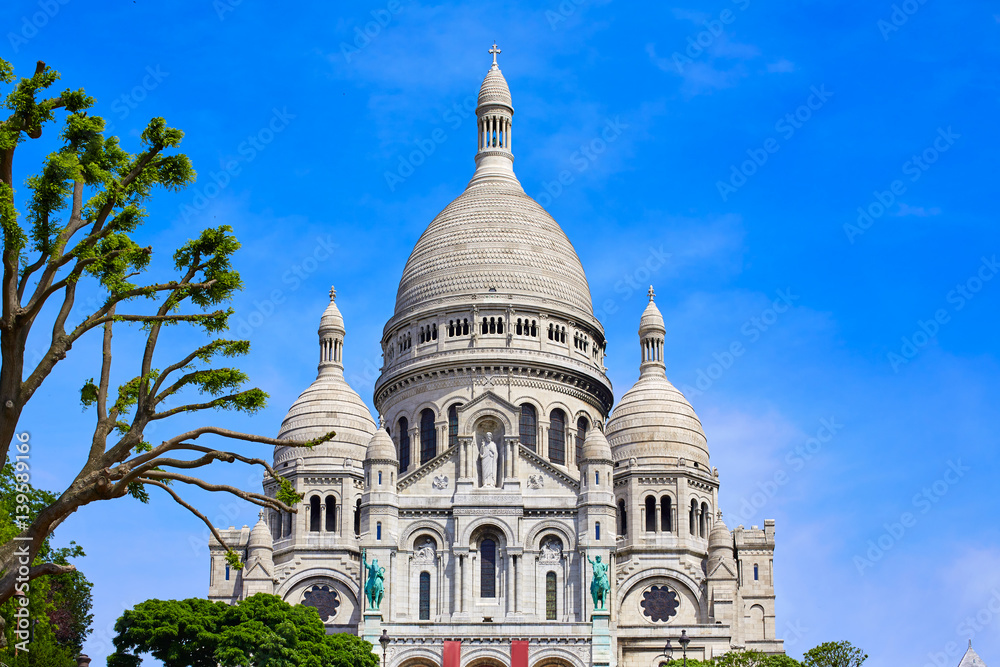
{"points": [[448, 459], [551, 475], [488, 403], [722, 571], [256, 572]]}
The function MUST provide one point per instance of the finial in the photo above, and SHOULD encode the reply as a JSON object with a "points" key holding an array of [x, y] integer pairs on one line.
{"points": [[495, 51], [970, 644], [381, 422], [651, 293], [333, 293], [260, 515]]}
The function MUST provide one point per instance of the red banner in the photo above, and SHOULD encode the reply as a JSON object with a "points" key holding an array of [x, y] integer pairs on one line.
{"points": [[519, 653], [453, 654]]}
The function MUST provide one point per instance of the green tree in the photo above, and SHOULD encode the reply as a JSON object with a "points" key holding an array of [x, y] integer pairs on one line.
{"points": [[261, 631], [83, 215], [58, 607], [834, 654]]}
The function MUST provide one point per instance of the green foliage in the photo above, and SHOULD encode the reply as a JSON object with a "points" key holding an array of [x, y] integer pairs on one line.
{"points": [[834, 654], [286, 493], [739, 659], [261, 631], [233, 559], [60, 604]]}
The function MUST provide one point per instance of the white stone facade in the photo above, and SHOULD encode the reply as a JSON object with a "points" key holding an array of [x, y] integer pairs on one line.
{"points": [[493, 356]]}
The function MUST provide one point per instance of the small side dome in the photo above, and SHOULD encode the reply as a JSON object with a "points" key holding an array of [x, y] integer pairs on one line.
{"points": [[720, 537], [596, 447], [260, 536], [381, 447]]}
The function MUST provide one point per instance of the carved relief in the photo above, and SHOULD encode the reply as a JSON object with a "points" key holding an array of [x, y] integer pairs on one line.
{"points": [[440, 482], [551, 551], [536, 481]]}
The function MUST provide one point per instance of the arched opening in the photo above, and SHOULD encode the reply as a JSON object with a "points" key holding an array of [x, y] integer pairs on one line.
{"points": [[488, 568], [691, 517], [357, 518], [404, 443], [425, 596], [314, 514], [331, 514], [650, 514], [453, 425], [557, 437], [428, 436], [622, 519], [550, 596], [666, 515], [529, 426], [756, 572], [581, 436], [703, 519], [378, 530]]}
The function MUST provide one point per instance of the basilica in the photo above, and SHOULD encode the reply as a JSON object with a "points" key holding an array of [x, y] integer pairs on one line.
{"points": [[502, 509]]}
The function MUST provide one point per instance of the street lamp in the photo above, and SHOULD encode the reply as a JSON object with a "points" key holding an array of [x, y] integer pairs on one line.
{"points": [[684, 640], [384, 641]]}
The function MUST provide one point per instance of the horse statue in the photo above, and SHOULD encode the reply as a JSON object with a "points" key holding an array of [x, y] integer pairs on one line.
{"points": [[600, 585], [375, 581]]}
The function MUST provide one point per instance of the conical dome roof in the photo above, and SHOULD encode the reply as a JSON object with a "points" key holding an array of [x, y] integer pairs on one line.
{"points": [[329, 404], [652, 319], [494, 89], [596, 447], [381, 447], [260, 536]]}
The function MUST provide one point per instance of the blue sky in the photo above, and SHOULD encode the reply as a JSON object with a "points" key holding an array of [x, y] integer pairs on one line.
{"points": [[832, 159]]}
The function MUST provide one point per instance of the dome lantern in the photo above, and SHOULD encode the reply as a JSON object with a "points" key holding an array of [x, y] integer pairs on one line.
{"points": [[651, 333], [494, 113]]}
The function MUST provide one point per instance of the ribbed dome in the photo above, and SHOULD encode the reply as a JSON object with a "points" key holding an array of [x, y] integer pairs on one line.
{"points": [[494, 237], [380, 447], [596, 447], [494, 89], [260, 535], [654, 421], [720, 537]]}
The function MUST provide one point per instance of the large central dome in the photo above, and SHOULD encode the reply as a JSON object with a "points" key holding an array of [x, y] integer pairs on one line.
{"points": [[494, 237]]}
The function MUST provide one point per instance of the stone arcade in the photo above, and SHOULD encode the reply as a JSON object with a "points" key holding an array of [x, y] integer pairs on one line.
{"points": [[497, 483]]}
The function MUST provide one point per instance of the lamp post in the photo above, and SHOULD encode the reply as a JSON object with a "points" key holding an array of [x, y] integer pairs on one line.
{"points": [[684, 640], [384, 641]]}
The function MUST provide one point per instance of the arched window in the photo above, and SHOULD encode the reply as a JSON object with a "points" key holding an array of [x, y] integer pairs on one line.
{"points": [[550, 596], [227, 571], [557, 437], [597, 530], [287, 525], [500, 325], [622, 519], [650, 514], [453, 425], [404, 444], [465, 327], [529, 426], [488, 568], [666, 520], [378, 530], [691, 516], [519, 329], [357, 518], [486, 326], [314, 514], [756, 572], [434, 332], [581, 435], [425, 596], [331, 514], [428, 436], [534, 329], [703, 520]]}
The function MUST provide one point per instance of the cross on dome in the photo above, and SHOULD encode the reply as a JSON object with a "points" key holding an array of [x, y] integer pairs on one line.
{"points": [[651, 293], [333, 293], [381, 422], [495, 51]]}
